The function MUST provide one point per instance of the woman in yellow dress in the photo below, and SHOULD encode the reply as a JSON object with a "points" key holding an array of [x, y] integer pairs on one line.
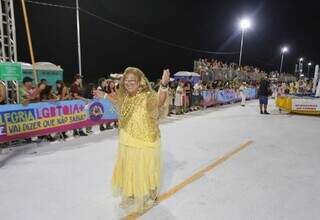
{"points": [[137, 172]]}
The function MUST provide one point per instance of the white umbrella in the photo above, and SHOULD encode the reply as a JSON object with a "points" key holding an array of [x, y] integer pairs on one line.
{"points": [[185, 73]]}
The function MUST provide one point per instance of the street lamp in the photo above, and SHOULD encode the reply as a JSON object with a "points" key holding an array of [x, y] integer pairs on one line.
{"points": [[78, 35], [301, 65], [283, 51], [309, 65], [244, 25]]}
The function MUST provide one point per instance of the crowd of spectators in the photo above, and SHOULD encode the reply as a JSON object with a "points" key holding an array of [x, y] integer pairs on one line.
{"points": [[185, 96], [298, 87], [217, 70]]}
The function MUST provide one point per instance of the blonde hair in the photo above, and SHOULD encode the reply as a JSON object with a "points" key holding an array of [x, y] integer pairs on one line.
{"points": [[144, 85]]}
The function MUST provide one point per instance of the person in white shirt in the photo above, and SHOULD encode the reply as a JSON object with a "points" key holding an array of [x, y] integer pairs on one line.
{"points": [[242, 94], [197, 88], [178, 102]]}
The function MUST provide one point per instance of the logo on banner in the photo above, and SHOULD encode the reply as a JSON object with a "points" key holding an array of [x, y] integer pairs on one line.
{"points": [[3, 130], [96, 111]]}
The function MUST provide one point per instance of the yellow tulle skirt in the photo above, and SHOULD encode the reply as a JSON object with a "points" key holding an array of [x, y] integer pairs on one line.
{"points": [[136, 176]]}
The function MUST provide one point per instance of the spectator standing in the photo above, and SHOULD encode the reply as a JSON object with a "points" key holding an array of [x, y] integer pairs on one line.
{"points": [[102, 86], [27, 94], [242, 94], [171, 94], [62, 94], [62, 91], [178, 102], [263, 93], [3, 95], [76, 93], [189, 91], [43, 81], [197, 89], [111, 91], [89, 94], [46, 96]]}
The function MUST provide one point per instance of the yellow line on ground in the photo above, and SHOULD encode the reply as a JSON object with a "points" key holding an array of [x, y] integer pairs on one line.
{"points": [[192, 178]]}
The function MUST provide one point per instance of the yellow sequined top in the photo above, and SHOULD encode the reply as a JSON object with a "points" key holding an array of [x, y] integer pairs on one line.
{"points": [[138, 120]]}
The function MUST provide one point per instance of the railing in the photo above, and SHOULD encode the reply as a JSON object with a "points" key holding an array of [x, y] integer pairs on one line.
{"points": [[211, 98]]}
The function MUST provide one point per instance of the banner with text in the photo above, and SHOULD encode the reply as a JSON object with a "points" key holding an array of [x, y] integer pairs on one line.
{"points": [[209, 98], [225, 96], [306, 105], [36, 119]]}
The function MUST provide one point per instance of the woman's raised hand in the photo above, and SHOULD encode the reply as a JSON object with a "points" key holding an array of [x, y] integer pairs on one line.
{"points": [[165, 77]]}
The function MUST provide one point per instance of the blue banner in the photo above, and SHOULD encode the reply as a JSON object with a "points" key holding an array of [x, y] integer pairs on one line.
{"points": [[225, 96], [18, 121]]}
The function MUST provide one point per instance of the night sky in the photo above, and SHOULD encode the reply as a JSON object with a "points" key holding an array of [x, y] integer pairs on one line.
{"points": [[206, 25]]}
